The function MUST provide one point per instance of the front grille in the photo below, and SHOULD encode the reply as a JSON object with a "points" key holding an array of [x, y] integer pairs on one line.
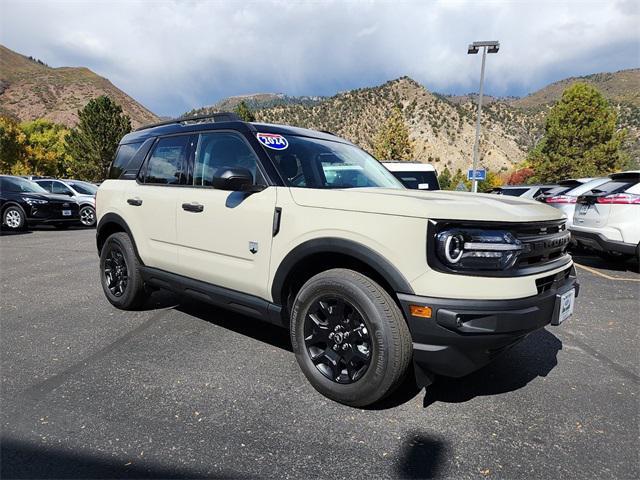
{"points": [[543, 243], [544, 284]]}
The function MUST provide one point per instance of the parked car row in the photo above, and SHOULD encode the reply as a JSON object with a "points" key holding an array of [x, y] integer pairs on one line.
{"points": [[61, 203]]}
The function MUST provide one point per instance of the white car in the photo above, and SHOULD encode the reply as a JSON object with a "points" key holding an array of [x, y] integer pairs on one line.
{"points": [[83, 192], [607, 218], [414, 175], [566, 201], [523, 191]]}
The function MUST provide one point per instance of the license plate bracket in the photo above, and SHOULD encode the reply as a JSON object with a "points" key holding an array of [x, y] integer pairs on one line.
{"points": [[564, 306]]}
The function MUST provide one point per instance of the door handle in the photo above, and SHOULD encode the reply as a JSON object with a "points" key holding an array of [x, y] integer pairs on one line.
{"points": [[136, 202], [193, 207]]}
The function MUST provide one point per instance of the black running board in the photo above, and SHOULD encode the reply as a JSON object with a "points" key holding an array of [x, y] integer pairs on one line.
{"points": [[222, 297]]}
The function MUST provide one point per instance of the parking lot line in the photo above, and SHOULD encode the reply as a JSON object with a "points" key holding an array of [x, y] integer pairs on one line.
{"points": [[604, 275]]}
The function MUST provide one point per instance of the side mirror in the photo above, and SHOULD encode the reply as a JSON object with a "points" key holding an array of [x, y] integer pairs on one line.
{"points": [[233, 179]]}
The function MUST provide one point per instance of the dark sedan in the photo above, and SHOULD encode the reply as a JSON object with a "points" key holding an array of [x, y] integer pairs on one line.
{"points": [[24, 203]]}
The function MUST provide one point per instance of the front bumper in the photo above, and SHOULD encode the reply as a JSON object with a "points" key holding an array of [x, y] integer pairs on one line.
{"points": [[464, 335], [599, 242]]}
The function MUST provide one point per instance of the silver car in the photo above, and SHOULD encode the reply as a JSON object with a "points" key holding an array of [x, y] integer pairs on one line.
{"points": [[83, 192]]}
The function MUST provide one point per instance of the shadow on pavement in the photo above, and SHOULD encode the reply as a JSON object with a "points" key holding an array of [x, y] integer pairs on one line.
{"points": [[24, 460], [421, 456], [594, 261], [534, 357], [249, 326]]}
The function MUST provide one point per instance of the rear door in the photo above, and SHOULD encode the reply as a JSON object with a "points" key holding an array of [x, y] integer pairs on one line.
{"points": [[224, 237], [150, 202]]}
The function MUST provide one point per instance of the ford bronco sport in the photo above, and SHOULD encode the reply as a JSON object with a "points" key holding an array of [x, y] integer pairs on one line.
{"points": [[305, 230]]}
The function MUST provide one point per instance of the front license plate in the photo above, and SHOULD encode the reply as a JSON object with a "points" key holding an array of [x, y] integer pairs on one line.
{"points": [[583, 209], [66, 213], [565, 306]]}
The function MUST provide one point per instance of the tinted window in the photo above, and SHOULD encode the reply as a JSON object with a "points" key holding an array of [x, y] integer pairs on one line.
{"points": [[166, 162], [418, 180], [84, 188], [61, 189], [46, 184], [13, 184], [217, 151], [124, 154], [513, 192], [614, 186]]}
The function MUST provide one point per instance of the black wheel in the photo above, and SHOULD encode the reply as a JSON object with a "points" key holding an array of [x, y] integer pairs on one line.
{"points": [[349, 337], [120, 273], [14, 218], [88, 216]]}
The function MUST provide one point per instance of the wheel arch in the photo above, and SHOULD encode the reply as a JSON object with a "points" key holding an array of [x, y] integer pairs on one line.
{"points": [[109, 224], [321, 254]]}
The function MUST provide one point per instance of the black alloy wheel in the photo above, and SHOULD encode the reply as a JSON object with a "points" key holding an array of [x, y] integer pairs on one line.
{"points": [[337, 339], [116, 273]]}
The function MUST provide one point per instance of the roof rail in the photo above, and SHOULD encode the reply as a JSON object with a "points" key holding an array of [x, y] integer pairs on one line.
{"points": [[215, 117]]}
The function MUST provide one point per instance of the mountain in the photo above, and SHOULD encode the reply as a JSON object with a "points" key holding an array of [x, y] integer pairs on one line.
{"points": [[255, 101], [442, 127], [443, 131], [30, 89]]}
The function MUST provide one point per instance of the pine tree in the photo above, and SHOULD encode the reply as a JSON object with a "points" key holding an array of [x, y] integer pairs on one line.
{"points": [[580, 137], [392, 141], [92, 143], [244, 112], [444, 179]]}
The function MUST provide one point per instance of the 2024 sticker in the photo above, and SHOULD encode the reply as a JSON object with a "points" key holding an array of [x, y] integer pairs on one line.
{"points": [[273, 141]]}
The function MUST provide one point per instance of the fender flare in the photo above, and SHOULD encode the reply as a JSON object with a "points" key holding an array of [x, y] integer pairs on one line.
{"points": [[356, 250], [114, 218]]}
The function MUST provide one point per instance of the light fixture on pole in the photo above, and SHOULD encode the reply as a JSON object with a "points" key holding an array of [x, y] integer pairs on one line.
{"points": [[487, 47]]}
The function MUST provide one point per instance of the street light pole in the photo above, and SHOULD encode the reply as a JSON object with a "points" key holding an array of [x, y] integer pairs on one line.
{"points": [[492, 47]]}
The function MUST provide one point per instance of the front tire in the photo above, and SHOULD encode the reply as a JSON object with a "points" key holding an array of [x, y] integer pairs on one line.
{"points": [[120, 273], [88, 216], [349, 337], [14, 218]]}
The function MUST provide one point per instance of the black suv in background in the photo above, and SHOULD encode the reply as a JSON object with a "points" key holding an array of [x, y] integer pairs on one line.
{"points": [[23, 203]]}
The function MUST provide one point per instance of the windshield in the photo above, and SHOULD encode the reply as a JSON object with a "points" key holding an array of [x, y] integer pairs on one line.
{"points": [[314, 163], [15, 184], [83, 188], [418, 180]]}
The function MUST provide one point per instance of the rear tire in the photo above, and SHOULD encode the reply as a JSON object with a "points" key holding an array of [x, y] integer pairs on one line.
{"points": [[120, 273], [14, 218], [349, 337]]}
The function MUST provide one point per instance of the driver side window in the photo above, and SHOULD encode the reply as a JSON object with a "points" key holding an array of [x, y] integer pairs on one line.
{"points": [[60, 188], [217, 151]]}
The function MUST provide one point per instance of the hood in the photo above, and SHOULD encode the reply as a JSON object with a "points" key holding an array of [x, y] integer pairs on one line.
{"points": [[437, 204]]}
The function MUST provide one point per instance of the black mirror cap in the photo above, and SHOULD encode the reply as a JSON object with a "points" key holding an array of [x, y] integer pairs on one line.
{"points": [[233, 179]]}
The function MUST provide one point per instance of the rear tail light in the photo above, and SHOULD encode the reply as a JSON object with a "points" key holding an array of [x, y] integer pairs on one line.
{"points": [[561, 199], [620, 199]]}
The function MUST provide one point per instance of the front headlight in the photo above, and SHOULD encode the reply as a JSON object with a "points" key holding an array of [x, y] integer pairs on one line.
{"points": [[475, 249], [35, 201]]}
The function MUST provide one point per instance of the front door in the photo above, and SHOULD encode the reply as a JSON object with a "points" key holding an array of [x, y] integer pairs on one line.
{"points": [[224, 238]]}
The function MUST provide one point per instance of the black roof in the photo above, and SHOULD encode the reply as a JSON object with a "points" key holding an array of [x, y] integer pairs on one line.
{"points": [[198, 124]]}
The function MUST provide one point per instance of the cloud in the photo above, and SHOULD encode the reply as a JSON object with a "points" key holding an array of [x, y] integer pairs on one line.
{"points": [[176, 55]]}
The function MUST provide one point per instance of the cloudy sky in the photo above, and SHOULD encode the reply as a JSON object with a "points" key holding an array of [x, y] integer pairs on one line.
{"points": [[175, 55]]}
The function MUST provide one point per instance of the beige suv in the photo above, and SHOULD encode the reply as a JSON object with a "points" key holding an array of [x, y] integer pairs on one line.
{"points": [[305, 230]]}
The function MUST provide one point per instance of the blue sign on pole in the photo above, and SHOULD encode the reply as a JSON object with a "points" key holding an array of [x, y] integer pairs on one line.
{"points": [[480, 174]]}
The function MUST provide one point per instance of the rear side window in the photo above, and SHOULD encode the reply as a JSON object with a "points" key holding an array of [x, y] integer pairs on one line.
{"points": [[46, 184], [124, 154], [166, 163], [60, 188]]}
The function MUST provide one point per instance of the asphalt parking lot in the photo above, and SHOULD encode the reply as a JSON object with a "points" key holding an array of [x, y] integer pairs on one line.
{"points": [[182, 389]]}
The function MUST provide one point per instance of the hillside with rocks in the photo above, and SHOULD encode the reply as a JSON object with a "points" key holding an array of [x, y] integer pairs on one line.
{"points": [[30, 89]]}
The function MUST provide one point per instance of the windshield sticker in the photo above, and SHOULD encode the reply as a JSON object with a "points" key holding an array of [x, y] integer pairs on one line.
{"points": [[273, 141]]}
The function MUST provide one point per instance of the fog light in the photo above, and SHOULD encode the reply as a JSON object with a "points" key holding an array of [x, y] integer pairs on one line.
{"points": [[420, 311]]}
